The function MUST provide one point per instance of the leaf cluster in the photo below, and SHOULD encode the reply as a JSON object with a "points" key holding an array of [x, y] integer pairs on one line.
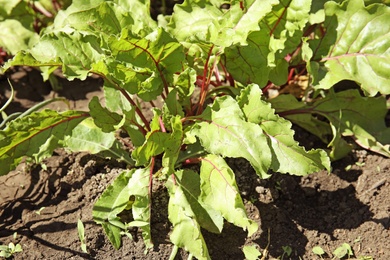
{"points": [[207, 71]]}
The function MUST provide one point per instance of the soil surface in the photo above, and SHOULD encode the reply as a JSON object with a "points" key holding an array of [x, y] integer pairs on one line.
{"points": [[41, 204]]}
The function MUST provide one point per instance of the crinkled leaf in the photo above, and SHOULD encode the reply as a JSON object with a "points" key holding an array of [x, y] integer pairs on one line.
{"points": [[35, 136], [287, 155], [285, 26], [153, 59], [105, 18], [280, 33], [186, 213], [222, 129], [112, 202], [219, 191], [74, 51], [356, 46], [185, 86], [190, 22]]}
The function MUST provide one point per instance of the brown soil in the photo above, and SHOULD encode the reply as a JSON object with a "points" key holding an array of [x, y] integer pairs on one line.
{"points": [[42, 203]]}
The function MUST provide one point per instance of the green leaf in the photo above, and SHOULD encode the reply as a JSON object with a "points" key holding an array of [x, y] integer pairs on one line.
{"points": [[21, 39], [139, 188], [112, 202], [186, 213], [73, 50], [173, 146], [115, 199], [17, 10], [154, 57], [249, 64], [349, 114], [251, 252], [262, 58], [108, 121], [190, 23], [318, 250], [86, 136], [301, 116], [343, 250], [287, 155], [219, 191], [105, 18], [356, 46], [285, 26], [81, 231], [35, 136], [154, 145], [185, 86], [222, 129], [113, 234]]}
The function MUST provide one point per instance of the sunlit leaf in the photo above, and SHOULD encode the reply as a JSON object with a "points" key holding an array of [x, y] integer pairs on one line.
{"points": [[35, 136], [356, 46], [223, 130]]}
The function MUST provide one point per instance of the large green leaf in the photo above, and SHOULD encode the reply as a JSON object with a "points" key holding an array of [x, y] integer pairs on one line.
{"points": [[349, 114], [190, 23], [356, 46], [89, 138], [36, 136], [73, 51], [222, 129], [287, 155], [105, 18], [187, 214], [219, 191]]}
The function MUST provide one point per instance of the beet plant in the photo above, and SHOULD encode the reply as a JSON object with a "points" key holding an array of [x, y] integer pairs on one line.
{"points": [[206, 70]]}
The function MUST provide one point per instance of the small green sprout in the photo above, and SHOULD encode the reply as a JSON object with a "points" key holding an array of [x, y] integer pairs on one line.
{"points": [[80, 229], [10, 250]]}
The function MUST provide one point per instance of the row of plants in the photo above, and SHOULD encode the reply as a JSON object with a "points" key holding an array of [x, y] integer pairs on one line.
{"points": [[211, 65]]}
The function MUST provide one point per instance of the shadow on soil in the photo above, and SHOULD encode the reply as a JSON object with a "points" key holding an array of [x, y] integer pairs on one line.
{"points": [[299, 208]]}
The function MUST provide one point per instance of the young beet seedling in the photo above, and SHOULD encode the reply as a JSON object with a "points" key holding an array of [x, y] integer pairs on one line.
{"points": [[204, 70]]}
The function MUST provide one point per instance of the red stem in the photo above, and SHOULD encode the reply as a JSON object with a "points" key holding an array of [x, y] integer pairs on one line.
{"points": [[139, 112], [43, 11], [192, 161], [206, 81], [162, 125], [131, 101]]}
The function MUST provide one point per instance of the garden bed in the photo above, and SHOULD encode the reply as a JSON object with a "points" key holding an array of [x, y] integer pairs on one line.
{"points": [[41, 204]]}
